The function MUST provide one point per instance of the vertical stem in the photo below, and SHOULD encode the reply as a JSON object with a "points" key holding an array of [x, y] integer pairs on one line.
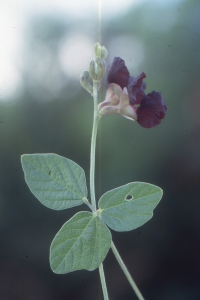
{"points": [[92, 173], [103, 282], [99, 21], [93, 144], [126, 272]]}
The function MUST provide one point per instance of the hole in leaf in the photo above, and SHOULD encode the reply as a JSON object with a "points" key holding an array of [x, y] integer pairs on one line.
{"points": [[129, 197]]}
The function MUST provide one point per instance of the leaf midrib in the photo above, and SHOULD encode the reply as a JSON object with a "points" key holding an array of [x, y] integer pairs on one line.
{"points": [[26, 176], [92, 217]]}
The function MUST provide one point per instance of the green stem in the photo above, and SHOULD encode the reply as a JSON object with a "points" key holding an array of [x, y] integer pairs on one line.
{"points": [[92, 173], [86, 201], [126, 272], [93, 144], [103, 282]]}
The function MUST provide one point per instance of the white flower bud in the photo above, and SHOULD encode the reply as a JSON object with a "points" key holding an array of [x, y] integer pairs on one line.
{"points": [[100, 51], [97, 69], [84, 80]]}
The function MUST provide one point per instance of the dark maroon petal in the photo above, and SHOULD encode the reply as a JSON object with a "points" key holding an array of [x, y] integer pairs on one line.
{"points": [[136, 89], [118, 73], [151, 110]]}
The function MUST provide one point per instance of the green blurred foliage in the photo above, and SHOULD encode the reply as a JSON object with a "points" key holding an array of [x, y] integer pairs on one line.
{"points": [[163, 255]]}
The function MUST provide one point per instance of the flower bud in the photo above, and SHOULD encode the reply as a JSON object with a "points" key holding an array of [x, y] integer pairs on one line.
{"points": [[97, 50], [104, 52], [84, 80], [92, 69], [97, 69], [100, 51], [102, 66]]}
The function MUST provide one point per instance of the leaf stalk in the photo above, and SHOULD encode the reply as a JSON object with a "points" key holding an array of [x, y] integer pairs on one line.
{"points": [[126, 272]]}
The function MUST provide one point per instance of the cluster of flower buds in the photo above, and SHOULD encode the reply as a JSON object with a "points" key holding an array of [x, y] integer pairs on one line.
{"points": [[97, 68]]}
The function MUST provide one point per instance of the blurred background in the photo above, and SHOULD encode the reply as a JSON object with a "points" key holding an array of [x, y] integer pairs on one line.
{"points": [[45, 45]]}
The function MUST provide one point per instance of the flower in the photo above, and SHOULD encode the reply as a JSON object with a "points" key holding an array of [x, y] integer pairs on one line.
{"points": [[125, 95]]}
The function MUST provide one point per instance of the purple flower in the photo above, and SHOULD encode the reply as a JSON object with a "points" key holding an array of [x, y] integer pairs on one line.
{"points": [[125, 95]]}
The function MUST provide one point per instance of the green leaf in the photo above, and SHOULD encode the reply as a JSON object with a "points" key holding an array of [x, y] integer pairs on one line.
{"points": [[129, 206], [57, 182], [82, 243]]}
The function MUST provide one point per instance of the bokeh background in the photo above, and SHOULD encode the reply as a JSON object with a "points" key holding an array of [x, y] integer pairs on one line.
{"points": [[45, 45]]}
